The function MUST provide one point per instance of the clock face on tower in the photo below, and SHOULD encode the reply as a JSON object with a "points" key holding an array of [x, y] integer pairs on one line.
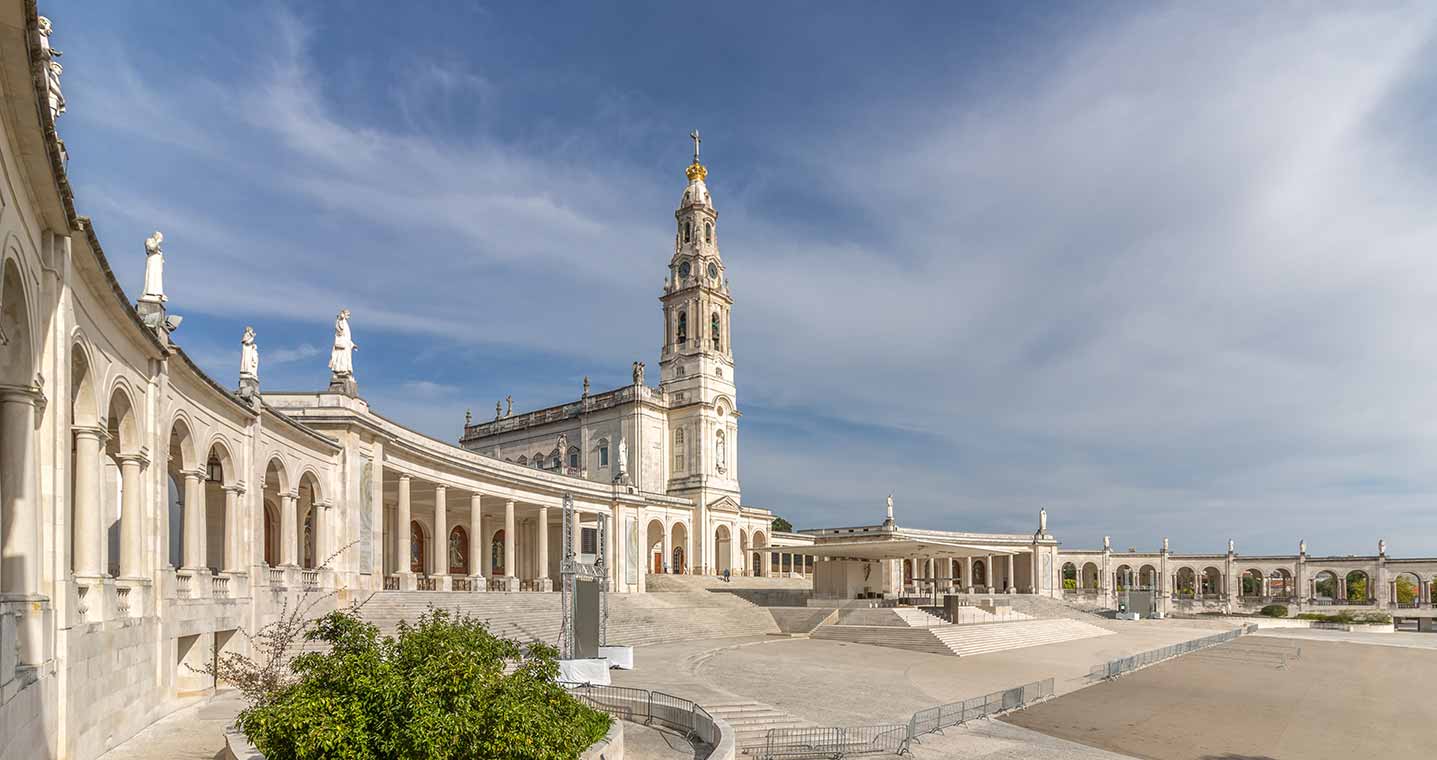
{"points": [[713, 271], [684, 270]]}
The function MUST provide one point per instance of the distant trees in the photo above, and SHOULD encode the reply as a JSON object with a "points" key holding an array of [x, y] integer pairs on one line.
{"points": [[1406, 590], [782, 525]]}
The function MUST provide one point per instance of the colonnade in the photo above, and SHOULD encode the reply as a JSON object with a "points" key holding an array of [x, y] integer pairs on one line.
{"points": [[925, 574]]}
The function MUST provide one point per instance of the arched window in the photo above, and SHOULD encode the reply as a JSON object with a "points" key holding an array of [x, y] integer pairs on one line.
{"points": [[416, 548], [688, 232], [496, 556], [573, 457], [682, 335], [523, 461], [537, 461], [679, 449], [708, 232], [715, 331]]}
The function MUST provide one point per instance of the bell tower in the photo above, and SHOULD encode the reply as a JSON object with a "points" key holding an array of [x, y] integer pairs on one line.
{"points": [[696, 363]]}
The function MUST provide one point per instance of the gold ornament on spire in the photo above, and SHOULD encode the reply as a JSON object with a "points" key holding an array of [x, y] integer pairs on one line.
{"points": [[696, 170]]}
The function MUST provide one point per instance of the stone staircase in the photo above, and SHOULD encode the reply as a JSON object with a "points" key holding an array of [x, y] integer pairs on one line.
{"points": [[751, 722], [963, 640], [634, 619], [1045, 607]]}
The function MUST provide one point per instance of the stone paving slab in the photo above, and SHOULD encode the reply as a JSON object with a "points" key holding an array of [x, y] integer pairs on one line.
{"points": [[194, 732]]}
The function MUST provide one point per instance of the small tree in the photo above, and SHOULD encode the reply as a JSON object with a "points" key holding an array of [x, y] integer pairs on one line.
{"points": [[1406, 590], [781, 525]]}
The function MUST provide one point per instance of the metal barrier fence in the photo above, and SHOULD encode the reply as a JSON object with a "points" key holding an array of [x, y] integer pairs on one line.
{"points": [[932, 719], [648, 707], [835, 742], [1128, 664]]}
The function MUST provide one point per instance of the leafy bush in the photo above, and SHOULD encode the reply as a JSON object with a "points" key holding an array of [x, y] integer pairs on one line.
{"points": [[1274, 611], [438, 690], [1070, 584], [1348, 618]]}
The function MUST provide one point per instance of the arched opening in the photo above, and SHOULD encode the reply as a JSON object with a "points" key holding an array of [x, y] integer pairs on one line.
{"points": [[1147, 577], [496, 555], [416, 549], [1211, 582], [688, 232], [716, 332], [1070, 576], [573, 455], [221, 510], [271, 533], [277, 493], [1187, 583], [85, 476], [743, 552], [678, 539], [1090, 576], [183, 483], [907, 573], [1279, 584], [1325, 586], [458, 551], [760, 541], [123, 516], [654, 540], [1252, 584], [19, 552], [955, 571], [708, 232], [1123, 578], [722, 550], [1407, 590], [311, 521], [1359, 588], [681, 335], [980, 573]]}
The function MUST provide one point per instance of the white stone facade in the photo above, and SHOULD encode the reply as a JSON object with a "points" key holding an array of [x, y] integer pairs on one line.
{"points": [[148, 512]]}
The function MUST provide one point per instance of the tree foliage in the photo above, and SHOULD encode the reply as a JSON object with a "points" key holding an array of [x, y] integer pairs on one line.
{"points": [[781, 525], [1406, 590], [437, 690]]}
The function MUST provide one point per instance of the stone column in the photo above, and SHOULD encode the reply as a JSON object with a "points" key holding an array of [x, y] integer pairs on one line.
{"points": [[546, 581], [132, 532], [87, 501], [509, 574], [968, 574], [402, 518], [232, 563], [1008, 581], [668, 549], [988, 572], [289, 529], [194, 534], [441, 531], [476, 536], [19, 507]]}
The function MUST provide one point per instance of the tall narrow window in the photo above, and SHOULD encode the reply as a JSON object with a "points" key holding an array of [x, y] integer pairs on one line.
{"points": [[679, 450], [603, 453], [715, 331], [688, 231], [682, 334], [708, 232]]}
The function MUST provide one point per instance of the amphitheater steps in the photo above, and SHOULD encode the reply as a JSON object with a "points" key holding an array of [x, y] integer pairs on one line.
{"points": [[751, 722], [966, 641], [963, 640]]}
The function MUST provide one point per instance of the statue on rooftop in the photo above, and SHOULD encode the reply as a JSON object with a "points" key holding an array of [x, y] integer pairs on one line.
{"points": [[498, 409], [638, 373], [509, 412], [154, 269], [341, 361], [249, 355], [1381, 546], [586, 386], [623, 457], [1107, 543], [1042, 521]]}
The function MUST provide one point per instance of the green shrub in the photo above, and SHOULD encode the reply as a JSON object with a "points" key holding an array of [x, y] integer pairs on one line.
{"points": [[1274, 611], [1070, 584], [437, 690]]}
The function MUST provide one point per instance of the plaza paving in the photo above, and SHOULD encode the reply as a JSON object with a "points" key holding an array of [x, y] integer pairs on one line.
{"points": [[1341, 699]]}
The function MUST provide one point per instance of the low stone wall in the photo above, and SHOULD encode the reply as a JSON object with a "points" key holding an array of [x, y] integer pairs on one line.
{"points": [[611, 747], [237, 747]]}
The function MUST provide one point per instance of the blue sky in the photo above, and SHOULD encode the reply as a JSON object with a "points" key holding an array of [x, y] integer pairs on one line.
{"points": [[1164, 270]]}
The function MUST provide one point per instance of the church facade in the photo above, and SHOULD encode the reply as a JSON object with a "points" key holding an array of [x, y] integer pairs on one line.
{"points": [[679, 438]]}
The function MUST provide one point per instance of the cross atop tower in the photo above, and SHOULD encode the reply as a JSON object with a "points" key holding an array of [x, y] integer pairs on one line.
{"points": [[694, 135]]}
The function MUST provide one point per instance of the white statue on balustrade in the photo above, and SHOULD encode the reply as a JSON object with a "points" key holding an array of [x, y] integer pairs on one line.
{"points": [[623, 457], [249, 356], [341, 363], [154, 269]]}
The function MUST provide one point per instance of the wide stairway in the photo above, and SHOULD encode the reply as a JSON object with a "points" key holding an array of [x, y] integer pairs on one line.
{"points": [[634, 619], [963, 640], [751, 721]]}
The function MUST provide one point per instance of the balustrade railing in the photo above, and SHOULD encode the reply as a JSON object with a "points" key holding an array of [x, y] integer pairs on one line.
{"points": [[122, 601], [82, 604], [426, 583], [497, 584], [391, 583], [182, 585], [220, 586], [460, 583], [276, 577], [309, 579]]}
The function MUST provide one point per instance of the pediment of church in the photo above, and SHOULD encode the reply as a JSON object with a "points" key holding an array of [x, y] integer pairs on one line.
{"points": [[725, 504]]}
